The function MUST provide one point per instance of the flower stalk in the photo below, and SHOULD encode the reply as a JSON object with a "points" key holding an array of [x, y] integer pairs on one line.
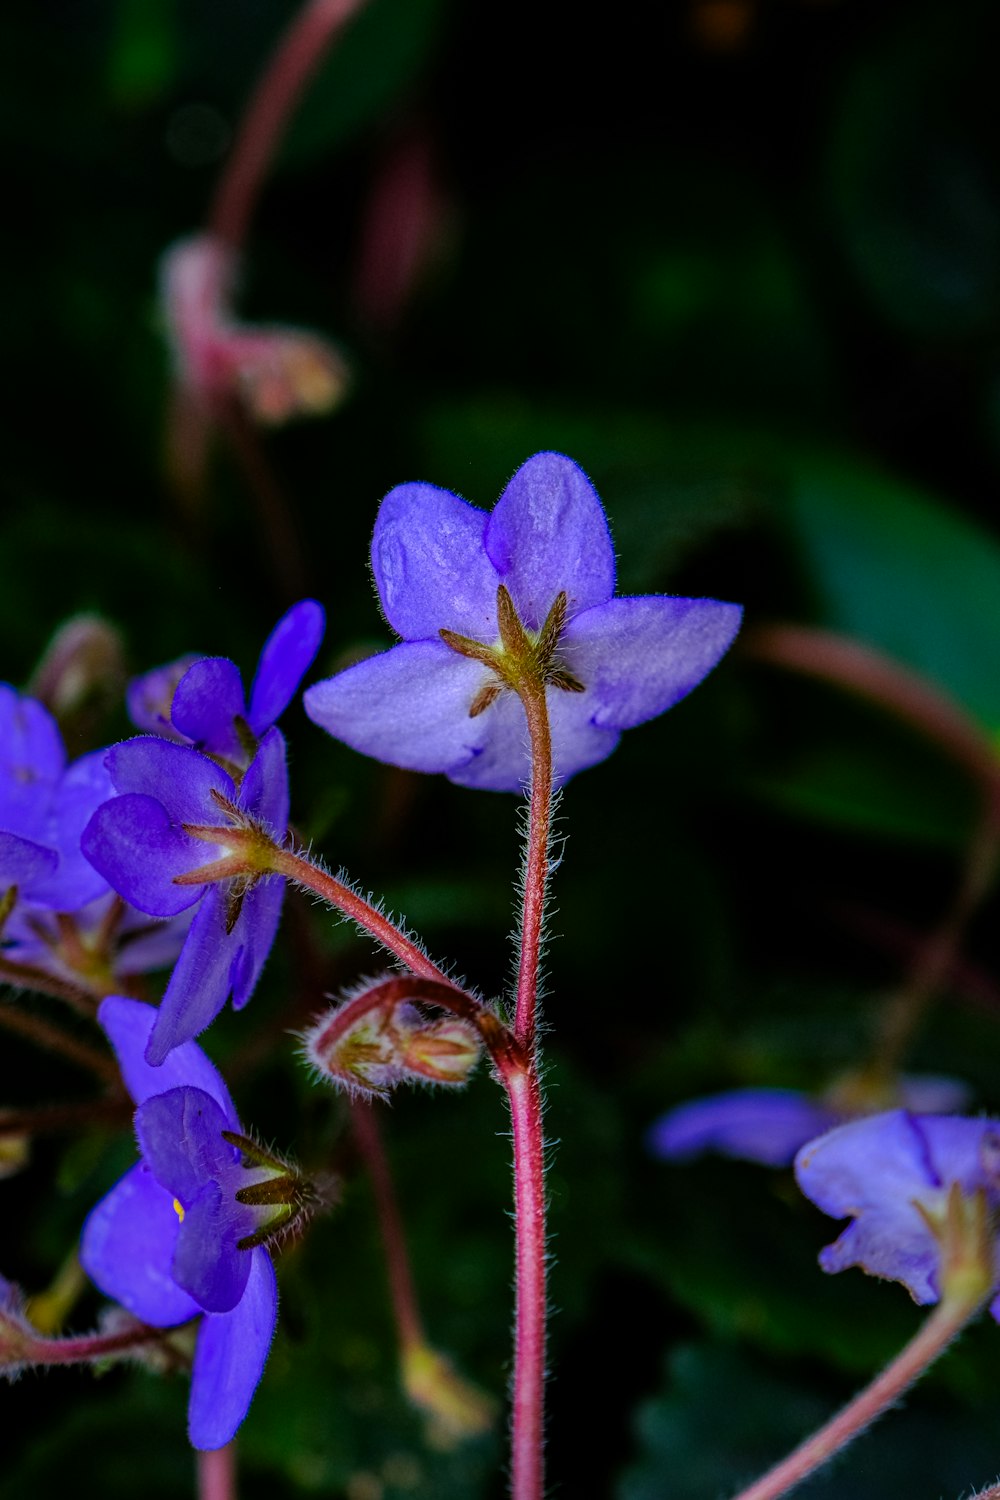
{"points": [[948, 1320], [21, 1346], [288, 73], [217, 1473], [525, 1097], [309, 877]]}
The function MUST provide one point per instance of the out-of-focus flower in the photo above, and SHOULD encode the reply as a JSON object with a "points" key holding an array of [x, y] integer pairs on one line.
{"points": [[905, 1180], [81, 673], [480, 600], [44, 806], [274, 372], [770, 1125]]}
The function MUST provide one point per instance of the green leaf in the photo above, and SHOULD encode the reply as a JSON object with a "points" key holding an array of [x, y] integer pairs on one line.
{"points": [[842, 762], [901, 570]]}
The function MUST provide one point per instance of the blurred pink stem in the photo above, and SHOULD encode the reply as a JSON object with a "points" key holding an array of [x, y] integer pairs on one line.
{"points": [[903, 1012], [90, 1348], [922, 704], [905, 693], [298, 56], [217, 1473], [947, 1320], [401, 1289]]}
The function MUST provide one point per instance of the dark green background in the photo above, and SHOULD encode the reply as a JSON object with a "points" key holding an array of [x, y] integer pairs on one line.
{"points": [[755, 291]]}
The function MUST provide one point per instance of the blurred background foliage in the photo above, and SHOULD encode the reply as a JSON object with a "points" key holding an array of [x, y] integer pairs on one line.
{"points": [[741, 260]]}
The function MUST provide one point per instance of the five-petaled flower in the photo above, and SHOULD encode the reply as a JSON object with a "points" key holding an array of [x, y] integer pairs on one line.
{"points": [[182, 1233], [900, 1178], [481, 599]]}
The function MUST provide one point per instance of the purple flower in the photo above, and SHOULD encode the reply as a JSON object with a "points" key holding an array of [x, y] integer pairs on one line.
{"points": [[24, 866], [202, 702], [770, 1125], [46, 802], [892, 1174], [170, 1241], [138, 841], [765, 1125], [44, 807], [435, 704]]}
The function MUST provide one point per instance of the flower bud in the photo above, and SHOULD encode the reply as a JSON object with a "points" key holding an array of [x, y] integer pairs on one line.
{"points": [[363, 1052], [280, 373], [379, 1038], [81, 673], [443, 1051], [455, 1408]]}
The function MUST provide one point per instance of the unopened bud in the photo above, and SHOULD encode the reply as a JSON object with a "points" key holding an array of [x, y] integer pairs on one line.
{"points": [[376, 1040], [444, 1051], [363, 1052], [81, 672], [456, 1410], [275, 372]]}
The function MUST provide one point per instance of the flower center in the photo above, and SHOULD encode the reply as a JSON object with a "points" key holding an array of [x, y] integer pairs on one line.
{"points": [[521, 658]]}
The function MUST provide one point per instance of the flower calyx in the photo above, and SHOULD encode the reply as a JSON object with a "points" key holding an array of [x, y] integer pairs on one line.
{"points": [[280, 1193], [246, 850], [382, 1037], [522, 659], [966, 1233]]}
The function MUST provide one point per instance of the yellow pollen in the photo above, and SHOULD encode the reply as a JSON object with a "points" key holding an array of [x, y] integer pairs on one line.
{"points": [[178, 1210]]}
